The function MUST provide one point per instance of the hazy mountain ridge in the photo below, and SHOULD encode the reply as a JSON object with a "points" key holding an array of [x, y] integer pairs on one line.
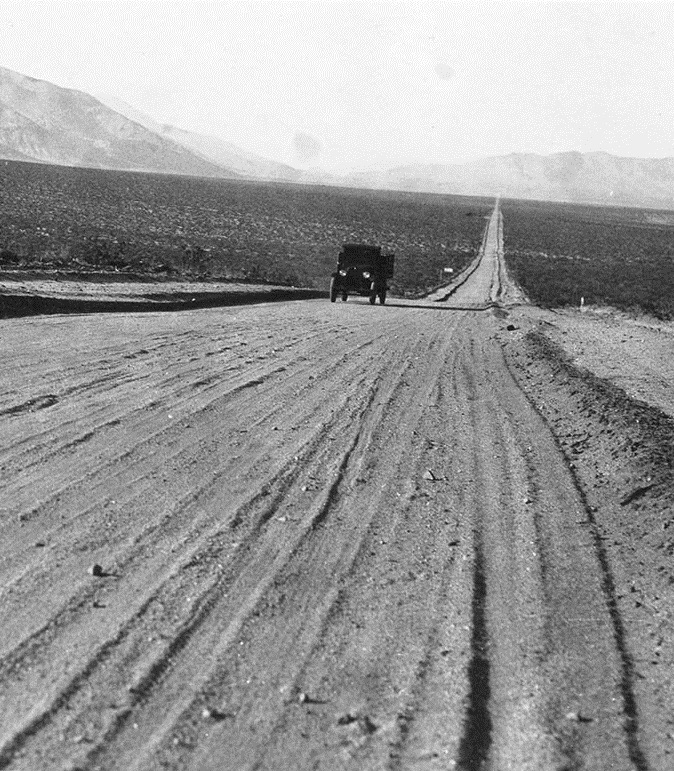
{"points": [[210, 148], [43, 122], [596, 177]]}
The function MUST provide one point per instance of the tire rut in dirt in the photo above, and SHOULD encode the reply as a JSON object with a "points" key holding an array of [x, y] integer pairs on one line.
{"points": [[551, 643], [611, 594], [473, 750]]}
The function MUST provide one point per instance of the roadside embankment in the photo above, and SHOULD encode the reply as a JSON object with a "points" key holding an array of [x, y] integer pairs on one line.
{"points": [[29, 296]]}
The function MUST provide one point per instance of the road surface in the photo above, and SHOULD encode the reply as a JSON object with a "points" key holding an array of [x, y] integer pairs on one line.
{"points": [[297, 536]]}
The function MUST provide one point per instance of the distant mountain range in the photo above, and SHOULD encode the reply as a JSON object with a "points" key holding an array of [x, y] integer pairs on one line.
{"points": [[576, 177], [42, 122]]}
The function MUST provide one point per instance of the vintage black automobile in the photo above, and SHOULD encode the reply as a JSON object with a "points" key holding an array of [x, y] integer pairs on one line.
{"points": [[362, 270]]}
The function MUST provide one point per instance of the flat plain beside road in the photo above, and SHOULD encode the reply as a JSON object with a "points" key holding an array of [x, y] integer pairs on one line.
{"points": [[327, 536]]}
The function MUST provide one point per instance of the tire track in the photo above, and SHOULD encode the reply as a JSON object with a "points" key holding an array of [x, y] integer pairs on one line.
{"points": [[475, 745], [526, 534], [627, 677], [515, 507]]}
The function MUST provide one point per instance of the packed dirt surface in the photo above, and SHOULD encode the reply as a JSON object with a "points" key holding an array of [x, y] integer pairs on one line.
{"points": [[331, 536]]}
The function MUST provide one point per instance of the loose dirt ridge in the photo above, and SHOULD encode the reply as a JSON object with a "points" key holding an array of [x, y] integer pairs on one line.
{"points": [[329, 537]]}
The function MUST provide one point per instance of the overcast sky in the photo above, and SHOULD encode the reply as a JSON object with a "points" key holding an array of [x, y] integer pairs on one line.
{"points": [[337, 84]]}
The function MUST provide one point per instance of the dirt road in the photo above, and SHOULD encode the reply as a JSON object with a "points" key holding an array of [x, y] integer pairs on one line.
{"points": [[299, 536]]}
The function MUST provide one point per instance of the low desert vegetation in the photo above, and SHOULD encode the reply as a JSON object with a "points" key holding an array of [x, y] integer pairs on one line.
{"points": [[91, 221], [560, 253]]}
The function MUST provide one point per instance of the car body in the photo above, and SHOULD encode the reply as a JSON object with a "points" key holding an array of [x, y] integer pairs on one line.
{"points": [[363, 270]]}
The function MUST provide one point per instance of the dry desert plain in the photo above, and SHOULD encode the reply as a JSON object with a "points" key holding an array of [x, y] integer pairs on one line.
{"points": [[304, 535]]}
